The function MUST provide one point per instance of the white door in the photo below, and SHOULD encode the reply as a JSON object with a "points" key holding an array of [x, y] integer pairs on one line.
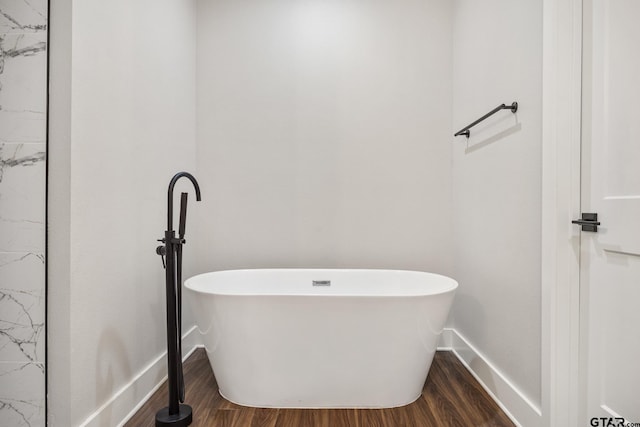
{"points": [[610, 257]]}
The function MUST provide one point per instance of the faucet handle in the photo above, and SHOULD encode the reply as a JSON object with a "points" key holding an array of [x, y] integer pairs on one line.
{"points": [[162, 251]]}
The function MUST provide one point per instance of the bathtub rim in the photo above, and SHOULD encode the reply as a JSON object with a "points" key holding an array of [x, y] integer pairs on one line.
{"points": [[192, 283]]}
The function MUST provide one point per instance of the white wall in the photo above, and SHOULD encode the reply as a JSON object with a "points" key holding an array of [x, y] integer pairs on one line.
{"points": [[323, 131], [321, 136], [58, 215], [497, 57], [123, 122]]}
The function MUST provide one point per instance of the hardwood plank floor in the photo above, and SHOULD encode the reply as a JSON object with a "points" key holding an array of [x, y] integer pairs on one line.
{"points": [[451, 397]]}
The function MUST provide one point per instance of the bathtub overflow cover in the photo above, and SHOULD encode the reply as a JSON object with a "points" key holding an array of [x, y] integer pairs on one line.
{"points": [[321, 282]]}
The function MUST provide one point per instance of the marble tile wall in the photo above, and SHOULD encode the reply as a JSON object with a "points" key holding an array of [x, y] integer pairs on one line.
{"points": [[23, 88]]}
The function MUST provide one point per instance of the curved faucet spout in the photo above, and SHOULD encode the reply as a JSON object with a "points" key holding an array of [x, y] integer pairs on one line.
{"points": [[172, 184]]}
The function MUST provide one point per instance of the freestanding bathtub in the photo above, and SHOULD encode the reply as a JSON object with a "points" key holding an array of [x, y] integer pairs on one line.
{"points": [[294, 338]]}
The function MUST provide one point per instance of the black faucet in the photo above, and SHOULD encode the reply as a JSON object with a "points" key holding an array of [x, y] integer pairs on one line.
{"points": [[177, 414]]}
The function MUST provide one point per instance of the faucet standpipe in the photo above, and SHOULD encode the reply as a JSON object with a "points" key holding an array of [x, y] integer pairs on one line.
{"points": [[176, 414]]}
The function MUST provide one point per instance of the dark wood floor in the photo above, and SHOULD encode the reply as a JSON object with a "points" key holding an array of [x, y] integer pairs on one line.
{"points": [[451, 397]]}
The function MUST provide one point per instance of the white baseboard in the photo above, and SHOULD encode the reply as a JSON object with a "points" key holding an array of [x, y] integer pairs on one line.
{"points": [[126, 401], [510, 399], [130, 398], [446, 340]]}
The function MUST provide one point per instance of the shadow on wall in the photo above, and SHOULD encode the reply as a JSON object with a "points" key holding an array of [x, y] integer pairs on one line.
{"points": [[473, 312], [158, 312], [516, 127], [111, 357]]}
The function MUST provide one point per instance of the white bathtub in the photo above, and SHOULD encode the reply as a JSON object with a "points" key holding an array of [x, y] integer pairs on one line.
{"points": [[275, 340]]}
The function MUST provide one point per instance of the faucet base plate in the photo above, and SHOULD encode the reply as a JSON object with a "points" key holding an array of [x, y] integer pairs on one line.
{"points": [[183, 418]]}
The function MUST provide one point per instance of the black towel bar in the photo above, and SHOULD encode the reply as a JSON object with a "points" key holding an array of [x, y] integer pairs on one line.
{"points": [[465, 130]]}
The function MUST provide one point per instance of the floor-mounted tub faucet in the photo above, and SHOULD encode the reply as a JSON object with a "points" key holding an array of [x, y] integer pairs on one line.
{"points": [[177, 414]]}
